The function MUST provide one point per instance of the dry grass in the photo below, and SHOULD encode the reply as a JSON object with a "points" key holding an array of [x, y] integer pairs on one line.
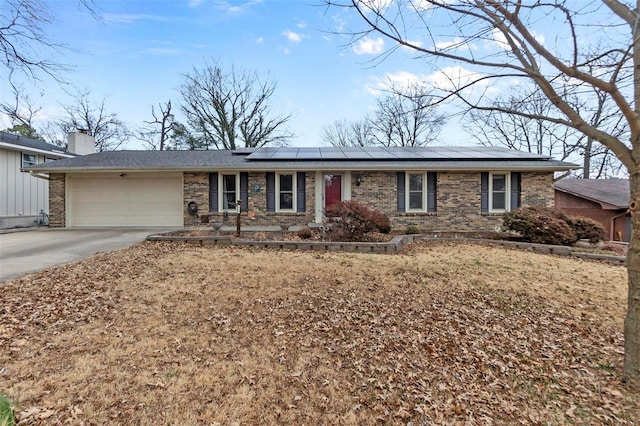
{"points": [[444, 333]]}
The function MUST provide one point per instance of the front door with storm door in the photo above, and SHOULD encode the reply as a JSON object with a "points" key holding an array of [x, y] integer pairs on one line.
{"points": [[332, 189]]}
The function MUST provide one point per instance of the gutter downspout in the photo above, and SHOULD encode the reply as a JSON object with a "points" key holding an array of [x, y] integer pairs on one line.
{"points": [[613, 224], [38, 175]]}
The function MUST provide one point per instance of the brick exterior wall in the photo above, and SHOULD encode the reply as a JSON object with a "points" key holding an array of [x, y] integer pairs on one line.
{"points": [[537, 189], [458, 200], [57, 200], [196, 188]]}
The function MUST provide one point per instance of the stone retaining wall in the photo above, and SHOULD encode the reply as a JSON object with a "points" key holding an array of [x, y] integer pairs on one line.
{"points": [[394, 246]]}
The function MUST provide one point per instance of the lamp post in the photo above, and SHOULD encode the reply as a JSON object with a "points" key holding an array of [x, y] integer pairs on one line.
{"points": [[238, 203]]}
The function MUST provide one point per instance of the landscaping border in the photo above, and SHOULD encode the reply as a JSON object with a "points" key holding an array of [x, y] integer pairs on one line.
{"points": [[395, 245]]}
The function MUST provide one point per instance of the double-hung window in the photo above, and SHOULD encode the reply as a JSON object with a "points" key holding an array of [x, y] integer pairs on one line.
{"points": [[230, 190], [286, 190], [499, 192], [29, 160], [416, 199]]}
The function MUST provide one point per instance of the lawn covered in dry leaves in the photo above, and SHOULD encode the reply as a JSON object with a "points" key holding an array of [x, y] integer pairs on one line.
{"points": [[444, 333]]}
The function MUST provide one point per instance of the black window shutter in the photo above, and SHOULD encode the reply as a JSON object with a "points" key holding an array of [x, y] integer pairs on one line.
{"points": [[484, 192], [244, 191], [401, 192], [271, 192], [301, 191], [515, 190], [432, 190], [213, 192]]}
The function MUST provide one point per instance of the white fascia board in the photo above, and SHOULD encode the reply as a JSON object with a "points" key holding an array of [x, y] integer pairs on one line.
{"points": [[303, 167], [29, 150]]}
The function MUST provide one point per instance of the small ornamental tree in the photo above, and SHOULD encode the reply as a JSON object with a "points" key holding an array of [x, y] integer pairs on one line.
{"points": [[351, 221]]}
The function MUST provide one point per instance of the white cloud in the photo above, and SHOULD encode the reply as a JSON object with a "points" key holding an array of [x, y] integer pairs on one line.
{"points": [[369, 46], [229, 8], [285, 51], [400, 80], [260, 40], [375, 5], [132, 18], [301, 25], [456, 44], [415, 43], [194, 3], [453, 78], [444, 80], [292, 37]]}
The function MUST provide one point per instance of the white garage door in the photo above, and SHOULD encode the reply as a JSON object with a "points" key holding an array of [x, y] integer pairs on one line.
{"points": [[129, 199]]}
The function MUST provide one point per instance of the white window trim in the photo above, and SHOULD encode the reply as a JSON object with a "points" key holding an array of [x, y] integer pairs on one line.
{"points": [[294, 179], [407, 191], [507, 190], [221, 189], [22, 159]]}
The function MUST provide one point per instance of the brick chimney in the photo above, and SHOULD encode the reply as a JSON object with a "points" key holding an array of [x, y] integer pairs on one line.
{"points": [[80, 143]]}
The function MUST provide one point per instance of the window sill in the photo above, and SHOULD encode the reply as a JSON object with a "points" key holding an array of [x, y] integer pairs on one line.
{"points": [[405, 214]]}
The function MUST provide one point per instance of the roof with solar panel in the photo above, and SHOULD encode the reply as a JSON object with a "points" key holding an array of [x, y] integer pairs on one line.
{"points": [[323, 158]]}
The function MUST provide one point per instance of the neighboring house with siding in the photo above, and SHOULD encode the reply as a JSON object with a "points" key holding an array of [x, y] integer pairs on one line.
{"points": [[433, 188], [604, 200], [23, 196]]}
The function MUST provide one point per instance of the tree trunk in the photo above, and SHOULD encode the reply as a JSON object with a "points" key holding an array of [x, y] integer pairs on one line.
{"points": [[632, 321], [586, 166]]}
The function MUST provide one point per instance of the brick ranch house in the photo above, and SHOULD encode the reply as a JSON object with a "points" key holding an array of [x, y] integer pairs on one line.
{"points": [[433, 188], [604, 200]]}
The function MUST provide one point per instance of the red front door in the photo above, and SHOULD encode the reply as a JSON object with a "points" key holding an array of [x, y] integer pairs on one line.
{"points": [[332, 190]]}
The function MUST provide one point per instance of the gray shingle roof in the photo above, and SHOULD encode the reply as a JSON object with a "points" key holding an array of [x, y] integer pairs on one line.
{"points": [[614, 192], [490, 158], [30, 143]]}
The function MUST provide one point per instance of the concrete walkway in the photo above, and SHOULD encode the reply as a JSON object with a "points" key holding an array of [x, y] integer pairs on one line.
{"points": [[32, 250]]}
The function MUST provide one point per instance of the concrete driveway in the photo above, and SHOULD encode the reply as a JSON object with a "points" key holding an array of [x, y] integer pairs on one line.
{"points": [[29, 251]]}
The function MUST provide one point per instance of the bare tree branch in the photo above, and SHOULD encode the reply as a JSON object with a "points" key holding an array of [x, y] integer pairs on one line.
{"points": [[231, 108]]}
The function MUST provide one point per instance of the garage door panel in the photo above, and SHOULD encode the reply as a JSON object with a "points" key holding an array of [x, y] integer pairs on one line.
{"points": [[131, 200]]}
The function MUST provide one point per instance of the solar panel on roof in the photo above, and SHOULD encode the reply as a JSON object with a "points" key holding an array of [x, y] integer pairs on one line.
{"points": [[332, 154], [308, 154]]}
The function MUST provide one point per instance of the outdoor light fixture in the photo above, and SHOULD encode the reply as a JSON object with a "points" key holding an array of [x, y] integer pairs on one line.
{"points": [[358, 180]]}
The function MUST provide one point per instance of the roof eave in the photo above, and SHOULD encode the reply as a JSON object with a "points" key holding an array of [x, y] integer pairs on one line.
{"points": [[22, 148], [604, 205], [302, 167]]}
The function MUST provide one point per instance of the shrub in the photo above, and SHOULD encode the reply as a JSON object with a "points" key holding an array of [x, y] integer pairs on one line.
{"points": [[351, 221], [305, 233], [541, 225], [7, 416], [412, 229], [381, 221], [587, 229]]}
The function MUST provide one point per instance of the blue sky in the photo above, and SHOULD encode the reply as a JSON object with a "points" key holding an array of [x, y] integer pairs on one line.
{"points": [[135, 53]]}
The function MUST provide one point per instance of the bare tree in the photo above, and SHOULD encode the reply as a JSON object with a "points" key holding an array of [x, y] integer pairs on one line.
{"points": [[158, 131], [25, 45], [228, 110], [344, 133], [21, 113], [107, 129], [403, 118], [407, 118], [496, 40]]}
